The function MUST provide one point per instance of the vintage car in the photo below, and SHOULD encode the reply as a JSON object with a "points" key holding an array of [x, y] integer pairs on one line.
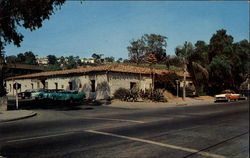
{"points": [[227, 95], [40, 94], [58, 95], [26, 93], [67, 95]]}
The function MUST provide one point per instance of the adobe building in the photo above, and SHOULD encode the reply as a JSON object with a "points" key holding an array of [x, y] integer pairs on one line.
{"points": [[99, 82]]}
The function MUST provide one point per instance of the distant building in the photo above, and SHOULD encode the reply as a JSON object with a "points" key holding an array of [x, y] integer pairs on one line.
{"points": [[42, 61], [87, 61]]}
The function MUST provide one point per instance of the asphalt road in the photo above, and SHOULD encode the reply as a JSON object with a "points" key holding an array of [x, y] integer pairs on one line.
{"points": [[217, 130]]}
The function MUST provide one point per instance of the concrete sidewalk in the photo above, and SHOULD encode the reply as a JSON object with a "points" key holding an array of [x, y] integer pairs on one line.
{"points": [[12, 115]]}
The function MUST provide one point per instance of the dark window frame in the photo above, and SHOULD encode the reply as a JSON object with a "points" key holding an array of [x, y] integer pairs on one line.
{"points": [[92, 85]]}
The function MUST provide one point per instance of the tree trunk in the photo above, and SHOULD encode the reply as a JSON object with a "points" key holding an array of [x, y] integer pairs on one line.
{"points": [[193, 75], [3, 103], [2, 88]]}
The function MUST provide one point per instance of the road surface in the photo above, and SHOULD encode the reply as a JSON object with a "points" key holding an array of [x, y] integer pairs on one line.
{"points": [[217, 130]]}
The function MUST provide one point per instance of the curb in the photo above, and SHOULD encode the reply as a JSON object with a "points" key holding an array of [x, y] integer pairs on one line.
{"points": [[18, 118], [184, 104]]}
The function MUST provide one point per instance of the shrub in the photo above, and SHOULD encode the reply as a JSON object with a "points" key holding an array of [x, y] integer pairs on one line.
{"points": [[121, 94], [127, 95], [158, 96], [154, 95], [133, 94]]}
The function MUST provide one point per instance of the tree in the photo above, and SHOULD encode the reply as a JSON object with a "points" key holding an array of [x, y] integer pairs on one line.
{"points": [[30, 58], [52, 60], [11, 59], [53, 64], [220, 44], [72, 62], [137, 51], [151, 59], [28, 14], [156, 44], [2, 62], [119, 60], [109, 59], [20, 58], [97, 57], [198, 73], [147, 44]]}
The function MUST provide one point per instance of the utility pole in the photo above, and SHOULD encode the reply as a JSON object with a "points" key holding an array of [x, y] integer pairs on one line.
{"points": [[177, 88], [184, 75]]}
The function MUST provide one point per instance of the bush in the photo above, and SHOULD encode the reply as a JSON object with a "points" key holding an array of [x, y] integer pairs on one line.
{"points": [[121, 94], [133, 94], [127, 95], [158, 96], [154, 95]]}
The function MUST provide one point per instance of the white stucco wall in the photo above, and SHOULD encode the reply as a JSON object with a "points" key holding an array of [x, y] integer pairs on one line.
{"points": [[25, 84], [118, 80], [105, 83]]}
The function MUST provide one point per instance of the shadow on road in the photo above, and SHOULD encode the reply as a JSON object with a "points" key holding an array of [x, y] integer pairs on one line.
{"points": [[29, 104]]}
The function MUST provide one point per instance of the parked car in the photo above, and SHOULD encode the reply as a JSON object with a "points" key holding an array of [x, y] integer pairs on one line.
{"points": [[26, 93], [227, 95], [59, 95], [71, 96], [40, 94]]}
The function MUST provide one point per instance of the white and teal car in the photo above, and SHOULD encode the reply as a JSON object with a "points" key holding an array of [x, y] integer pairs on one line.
{"points": [[40, 94], [67, 95], [58, 95]]}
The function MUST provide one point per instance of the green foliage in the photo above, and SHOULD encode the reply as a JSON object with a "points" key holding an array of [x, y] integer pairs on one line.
{"points": [[154, 95], [72, 62], [147, 44], [109, 59], [119, 60], [52, 59], [97, 57], [26, 58], [22, 58], [127, 95], [221, 64], [54, 67], [25, 13], [121, 94]]}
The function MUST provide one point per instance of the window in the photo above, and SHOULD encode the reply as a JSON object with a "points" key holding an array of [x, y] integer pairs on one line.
{"points": [[62, 86], [32, 86], [56, 84], [132, 85], [70, 86], [92, 85], [80, 85]]}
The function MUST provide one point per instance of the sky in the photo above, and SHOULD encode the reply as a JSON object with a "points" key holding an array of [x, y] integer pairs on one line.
{"points": [[107, 27]]}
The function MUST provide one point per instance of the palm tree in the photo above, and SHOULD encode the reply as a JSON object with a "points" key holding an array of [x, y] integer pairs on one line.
{"points": [[190, 65]]}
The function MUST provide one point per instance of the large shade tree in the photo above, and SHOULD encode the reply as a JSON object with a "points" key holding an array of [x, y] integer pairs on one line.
{"points": [[191, 59], [28, 14], [139, 50], [226, 62]]}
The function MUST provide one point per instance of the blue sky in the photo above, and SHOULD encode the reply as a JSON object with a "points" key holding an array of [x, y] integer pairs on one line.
{"points": [[107, 27]]}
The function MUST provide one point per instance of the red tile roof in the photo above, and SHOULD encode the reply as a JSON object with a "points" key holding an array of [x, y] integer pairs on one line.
{"points": [[112, 68]]}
